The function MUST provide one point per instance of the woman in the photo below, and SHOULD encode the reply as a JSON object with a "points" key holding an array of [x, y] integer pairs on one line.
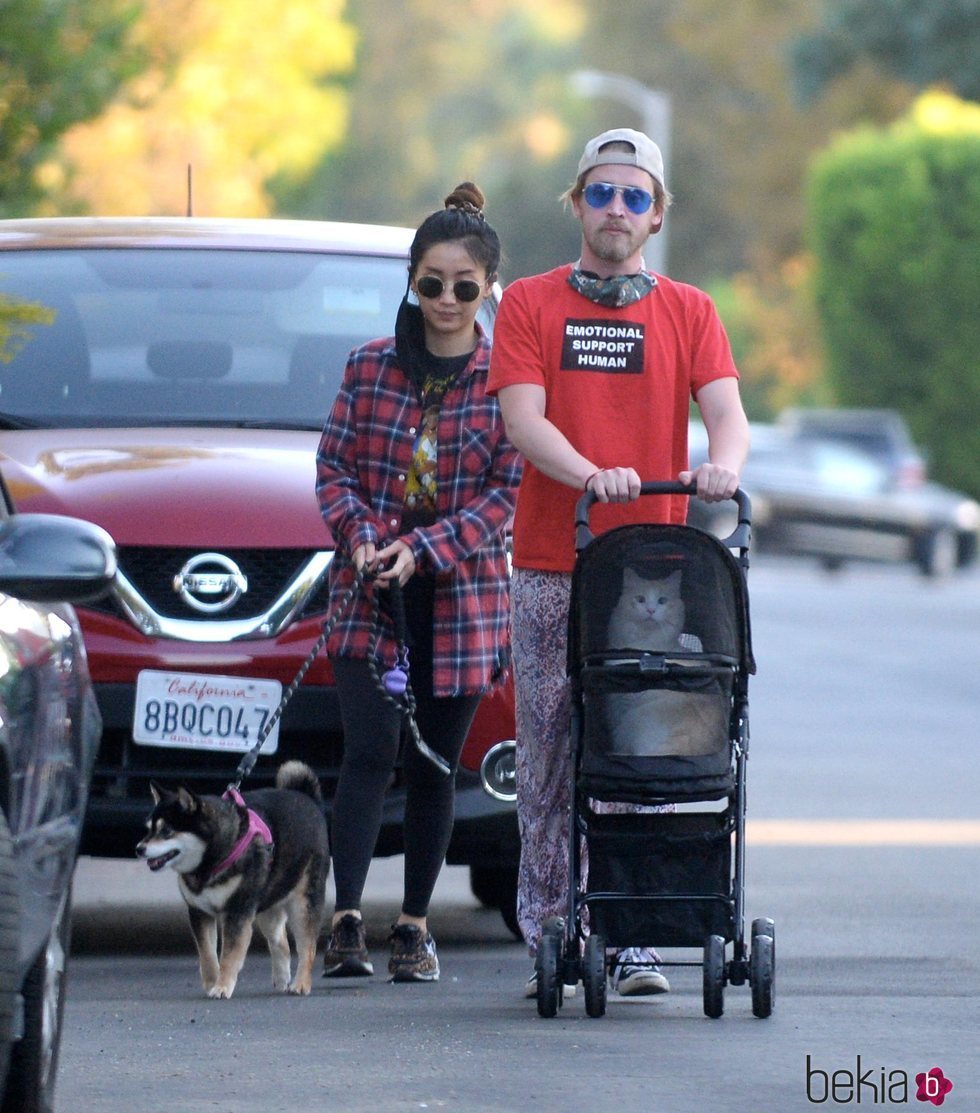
{"points": [[416, 481]]}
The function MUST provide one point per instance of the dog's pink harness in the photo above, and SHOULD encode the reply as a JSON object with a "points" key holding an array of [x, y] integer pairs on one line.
{"points": [[257, 828]]}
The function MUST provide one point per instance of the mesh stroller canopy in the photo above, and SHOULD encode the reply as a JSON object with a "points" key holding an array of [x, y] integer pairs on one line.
{"points": [[658, 636], [711, 585]]}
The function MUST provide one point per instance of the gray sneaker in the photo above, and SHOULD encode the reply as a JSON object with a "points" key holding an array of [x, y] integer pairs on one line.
{"points": [[413, 955], [531, 987], [346, 955], [637, 973]]}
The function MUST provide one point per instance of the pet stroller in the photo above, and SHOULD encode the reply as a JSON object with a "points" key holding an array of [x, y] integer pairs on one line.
{"points": [[655, 726]]}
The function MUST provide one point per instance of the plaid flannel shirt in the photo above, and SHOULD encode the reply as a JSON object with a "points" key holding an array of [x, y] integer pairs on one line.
{"points": [[362, 465]]}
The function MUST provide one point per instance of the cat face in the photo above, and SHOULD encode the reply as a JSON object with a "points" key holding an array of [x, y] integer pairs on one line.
{"points": [[649, 613]]}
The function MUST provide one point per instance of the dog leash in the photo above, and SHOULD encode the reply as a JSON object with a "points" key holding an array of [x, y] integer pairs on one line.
{"points": [[247, 764], [394, 685]]}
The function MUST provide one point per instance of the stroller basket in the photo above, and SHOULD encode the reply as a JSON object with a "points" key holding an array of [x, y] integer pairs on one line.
{"points": [[634, 859]]}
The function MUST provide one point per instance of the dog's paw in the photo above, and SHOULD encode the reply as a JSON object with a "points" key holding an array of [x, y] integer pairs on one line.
{"points": [[221, 992], [300, 988]]}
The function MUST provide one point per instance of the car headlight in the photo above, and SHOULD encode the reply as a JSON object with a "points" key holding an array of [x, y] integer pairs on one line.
{"points": [[498, 771], [967, 515]]}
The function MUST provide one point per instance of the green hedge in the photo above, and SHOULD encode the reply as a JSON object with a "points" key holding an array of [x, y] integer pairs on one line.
{"points": [[894, 228]]}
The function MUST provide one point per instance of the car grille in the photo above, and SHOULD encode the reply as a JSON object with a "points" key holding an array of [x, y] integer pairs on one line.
{"points": [[310, 728], [151, 571]]}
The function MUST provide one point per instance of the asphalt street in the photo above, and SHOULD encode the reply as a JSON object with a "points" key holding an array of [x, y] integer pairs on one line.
{"points": [[863, 844]]}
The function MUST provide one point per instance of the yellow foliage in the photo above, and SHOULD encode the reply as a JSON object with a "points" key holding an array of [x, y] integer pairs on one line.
{"points": [[555, 20], [942, 113], [546, 136], [783, 362], [15, 317], [237, 89], [559, 20]]}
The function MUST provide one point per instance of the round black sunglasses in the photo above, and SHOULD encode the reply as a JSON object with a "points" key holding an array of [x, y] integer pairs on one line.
{"points": [[464, 290]]}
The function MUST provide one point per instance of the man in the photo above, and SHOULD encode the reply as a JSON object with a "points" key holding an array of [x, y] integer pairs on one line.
{"points": [[595, 364]]}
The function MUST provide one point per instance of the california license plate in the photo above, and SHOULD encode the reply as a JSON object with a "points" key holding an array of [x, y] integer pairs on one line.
{"points": [[193, 711]]}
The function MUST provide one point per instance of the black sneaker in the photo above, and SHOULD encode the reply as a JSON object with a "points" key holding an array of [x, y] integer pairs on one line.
{"points": [[413, 955], [637, 973], [347, 954]]}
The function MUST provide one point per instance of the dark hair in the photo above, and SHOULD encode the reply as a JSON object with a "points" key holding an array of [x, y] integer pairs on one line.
{"points": [[462, 219]]}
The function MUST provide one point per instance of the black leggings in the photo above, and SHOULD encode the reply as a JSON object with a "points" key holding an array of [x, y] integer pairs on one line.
{"points": [[372, 730]]}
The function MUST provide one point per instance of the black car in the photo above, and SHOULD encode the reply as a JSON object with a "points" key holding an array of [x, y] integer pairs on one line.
{"points": [[49, 735]]}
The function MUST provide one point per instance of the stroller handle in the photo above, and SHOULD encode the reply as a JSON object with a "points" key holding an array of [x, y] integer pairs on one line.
{"points": [[739, 538]]}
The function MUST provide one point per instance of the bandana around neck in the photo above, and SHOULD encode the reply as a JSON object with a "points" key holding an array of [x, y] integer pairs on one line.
{"points": [[615, 292]]}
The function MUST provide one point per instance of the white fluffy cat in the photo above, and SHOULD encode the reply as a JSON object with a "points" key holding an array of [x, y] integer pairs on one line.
{"points": [[649, 615]]}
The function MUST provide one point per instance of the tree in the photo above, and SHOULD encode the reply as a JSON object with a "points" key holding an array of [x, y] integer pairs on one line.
{"points": [[444, 93], [921, 42], [437, 97], [244, 91], [894, 224], [740, 144], [16, 317], [60, 63], [770, 321]]}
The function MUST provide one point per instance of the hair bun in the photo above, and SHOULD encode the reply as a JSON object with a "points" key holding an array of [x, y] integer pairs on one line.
{"points": [[468, 198]]}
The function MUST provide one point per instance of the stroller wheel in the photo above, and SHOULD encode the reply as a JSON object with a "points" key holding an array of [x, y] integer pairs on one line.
{"points": [[549, 986], [762, 975], [764, 926], [713, 970], [594, 975]]}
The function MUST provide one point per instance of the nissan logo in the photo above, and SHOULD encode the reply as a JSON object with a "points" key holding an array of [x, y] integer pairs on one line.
{"points": [[210, 583]]}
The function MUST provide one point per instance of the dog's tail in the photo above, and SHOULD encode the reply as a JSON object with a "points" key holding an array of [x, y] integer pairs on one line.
{"points": [[298, 776]]}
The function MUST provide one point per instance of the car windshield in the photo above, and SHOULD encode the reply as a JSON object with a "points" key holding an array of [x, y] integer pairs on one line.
{"points": [[115, 336]]}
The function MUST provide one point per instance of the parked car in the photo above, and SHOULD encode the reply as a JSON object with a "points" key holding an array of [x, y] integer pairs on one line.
{"points": [[168, 379], [820, 497], [49, 734], [881, 434]]}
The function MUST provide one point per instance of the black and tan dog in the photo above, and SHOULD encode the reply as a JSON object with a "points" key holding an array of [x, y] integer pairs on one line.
{"points": [[260, 860]]}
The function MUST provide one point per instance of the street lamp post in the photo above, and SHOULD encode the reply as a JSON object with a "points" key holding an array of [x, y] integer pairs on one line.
{"points": [[653, 108]]}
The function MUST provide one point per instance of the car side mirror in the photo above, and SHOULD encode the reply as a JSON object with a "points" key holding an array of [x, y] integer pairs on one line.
{"points": [[51, 558]]}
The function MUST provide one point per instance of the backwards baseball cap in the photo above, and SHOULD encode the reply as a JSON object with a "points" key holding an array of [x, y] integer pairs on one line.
{"points": [[645, 154]]}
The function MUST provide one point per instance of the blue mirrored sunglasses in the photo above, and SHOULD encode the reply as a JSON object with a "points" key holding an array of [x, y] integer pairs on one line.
{"points": [[599, 194]]}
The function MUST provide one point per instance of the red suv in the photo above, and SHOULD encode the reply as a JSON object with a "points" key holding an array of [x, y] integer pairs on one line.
{"points": [[168, 379]]}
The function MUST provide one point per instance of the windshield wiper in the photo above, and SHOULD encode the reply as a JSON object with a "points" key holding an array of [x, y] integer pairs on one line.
{"points": [[255, 423], [15, 421]]}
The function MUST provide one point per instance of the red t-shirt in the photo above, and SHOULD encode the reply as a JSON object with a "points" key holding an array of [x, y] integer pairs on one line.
{"points": [[618, 382]]}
